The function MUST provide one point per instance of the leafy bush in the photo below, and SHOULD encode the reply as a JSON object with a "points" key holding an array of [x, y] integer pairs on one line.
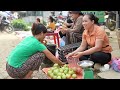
{"points": [[44, 23], [20, 24], [30, 23]]}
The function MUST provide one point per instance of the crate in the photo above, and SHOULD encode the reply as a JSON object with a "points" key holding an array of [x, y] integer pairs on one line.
{"points": [[64, 50]]}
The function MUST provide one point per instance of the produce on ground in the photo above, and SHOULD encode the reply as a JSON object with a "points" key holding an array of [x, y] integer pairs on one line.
{"points": [[63, 72]]}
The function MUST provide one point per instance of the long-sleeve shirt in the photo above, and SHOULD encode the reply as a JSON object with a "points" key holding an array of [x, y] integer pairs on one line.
{"points": [[77, 26]]}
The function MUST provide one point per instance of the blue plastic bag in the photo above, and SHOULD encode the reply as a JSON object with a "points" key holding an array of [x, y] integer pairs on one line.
{"points": [[116, 64], [62, 42]]}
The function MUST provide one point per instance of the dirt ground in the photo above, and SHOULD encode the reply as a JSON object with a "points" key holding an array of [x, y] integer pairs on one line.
{"points": [[7, 43]]}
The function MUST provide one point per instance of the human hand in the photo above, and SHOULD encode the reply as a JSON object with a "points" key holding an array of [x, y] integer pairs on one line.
{"points": [[69, 55], [44, 42], [64, 23], [62, 63], [78, 55], [62, 31]]}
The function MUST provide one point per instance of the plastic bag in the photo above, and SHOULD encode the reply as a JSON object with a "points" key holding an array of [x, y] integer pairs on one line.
{"points": [[62, 42], [116, 64]]}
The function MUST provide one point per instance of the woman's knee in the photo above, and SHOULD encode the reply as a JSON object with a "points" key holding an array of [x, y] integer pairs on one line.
{"points": [[100, 57], [99, 54], [34, 61]]}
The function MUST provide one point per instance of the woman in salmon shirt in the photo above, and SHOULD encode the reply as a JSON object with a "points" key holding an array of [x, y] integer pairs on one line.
{"points": [[95, 40]]}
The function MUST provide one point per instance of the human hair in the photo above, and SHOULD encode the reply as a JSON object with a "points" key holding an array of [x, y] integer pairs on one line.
{"points": [[51, 18], [69, 12], [38, 28], [77, 12], [38, 19], [93, 17], [33, 27]]}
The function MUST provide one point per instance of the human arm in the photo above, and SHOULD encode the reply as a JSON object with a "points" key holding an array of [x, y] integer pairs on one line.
{"points": [[77, 26], [99, 42], [68, 24], [50, 56], [96, 48], [44, 42], [82, 47], [42, 48]]}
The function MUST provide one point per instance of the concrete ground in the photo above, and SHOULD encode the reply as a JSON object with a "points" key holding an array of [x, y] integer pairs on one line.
{"points": [[9, 41], [111, 74]]}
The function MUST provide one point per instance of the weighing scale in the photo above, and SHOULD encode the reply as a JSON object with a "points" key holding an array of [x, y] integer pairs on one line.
{"points": [[87, 69]]}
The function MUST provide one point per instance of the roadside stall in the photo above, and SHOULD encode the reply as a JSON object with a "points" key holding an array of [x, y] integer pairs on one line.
{"points": [[75, 69]]}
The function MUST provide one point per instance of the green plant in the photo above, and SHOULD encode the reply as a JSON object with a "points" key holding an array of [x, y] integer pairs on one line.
{"points": [[20, 24], [44, 23], [29, 24]]}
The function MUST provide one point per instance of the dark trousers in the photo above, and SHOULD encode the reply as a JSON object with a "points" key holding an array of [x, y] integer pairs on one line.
{"points": [[98, 57]]}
